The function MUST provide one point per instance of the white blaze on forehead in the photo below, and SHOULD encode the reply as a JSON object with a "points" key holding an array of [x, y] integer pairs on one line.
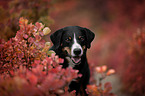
{"points": [[76, 45]]}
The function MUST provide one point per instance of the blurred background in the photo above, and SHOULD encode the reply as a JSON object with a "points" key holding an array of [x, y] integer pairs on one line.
{"points": [[118, 25]]}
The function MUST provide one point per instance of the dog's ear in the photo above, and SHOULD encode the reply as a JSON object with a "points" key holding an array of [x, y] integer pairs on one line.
{"points": [[89, 36], [56, 38]]}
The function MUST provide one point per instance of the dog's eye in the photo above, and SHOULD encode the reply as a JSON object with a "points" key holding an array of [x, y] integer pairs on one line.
{"points": [[68, 39], [81, 38]]}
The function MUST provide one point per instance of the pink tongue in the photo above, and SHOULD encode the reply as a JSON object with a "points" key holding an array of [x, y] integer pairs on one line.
{"points": [[76, 60]]}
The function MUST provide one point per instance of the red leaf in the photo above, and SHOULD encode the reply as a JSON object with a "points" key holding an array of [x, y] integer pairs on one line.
{"points": [[107, 87], [32, 78]]}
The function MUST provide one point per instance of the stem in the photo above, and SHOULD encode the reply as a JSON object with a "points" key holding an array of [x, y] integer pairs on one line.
{"points": [[47, 69]]}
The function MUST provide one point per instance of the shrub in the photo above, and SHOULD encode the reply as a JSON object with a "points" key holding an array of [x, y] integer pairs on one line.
{"points": [[133, 77], [34, 10], [26, 69], [100, 89]]}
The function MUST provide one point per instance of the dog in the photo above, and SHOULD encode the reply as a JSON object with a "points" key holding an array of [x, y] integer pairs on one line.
{"points": [[71, 44]]}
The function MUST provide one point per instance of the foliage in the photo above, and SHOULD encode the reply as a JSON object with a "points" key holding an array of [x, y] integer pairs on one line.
{"points": [[134, 71], [117, 23], [34, 10], [125, 54], [100, 90], [26, 69]]}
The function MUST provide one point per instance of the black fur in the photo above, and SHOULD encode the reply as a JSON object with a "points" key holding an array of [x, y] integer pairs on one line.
{"points": [[58, 39]]}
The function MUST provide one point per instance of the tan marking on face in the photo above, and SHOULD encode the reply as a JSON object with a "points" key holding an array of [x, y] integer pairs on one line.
{"points": [[69, 38], [67, 49], [80, 37], [84, 47]]}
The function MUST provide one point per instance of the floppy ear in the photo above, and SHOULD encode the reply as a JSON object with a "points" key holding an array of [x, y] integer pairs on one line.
{"points": [[56, 38], [89, 36]]}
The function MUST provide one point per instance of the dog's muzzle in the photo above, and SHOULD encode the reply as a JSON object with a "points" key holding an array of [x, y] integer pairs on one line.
{"points": [[77, 56]]}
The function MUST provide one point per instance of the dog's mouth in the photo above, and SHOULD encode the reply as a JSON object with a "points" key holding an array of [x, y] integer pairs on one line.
{"points": [[76, 60]]}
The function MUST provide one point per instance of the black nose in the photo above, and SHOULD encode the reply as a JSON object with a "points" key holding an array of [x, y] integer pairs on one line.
{"points": [[77, 51]]}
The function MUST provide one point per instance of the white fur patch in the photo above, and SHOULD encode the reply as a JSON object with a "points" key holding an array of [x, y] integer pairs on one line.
{"points": [[70, 63], [76, 45]]}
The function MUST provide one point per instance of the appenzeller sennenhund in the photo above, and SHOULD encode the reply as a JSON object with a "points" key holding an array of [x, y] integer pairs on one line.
{"points": [[71, 44]]}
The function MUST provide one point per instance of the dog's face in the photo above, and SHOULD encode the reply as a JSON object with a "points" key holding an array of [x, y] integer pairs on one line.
{"points": [[73, 41]]}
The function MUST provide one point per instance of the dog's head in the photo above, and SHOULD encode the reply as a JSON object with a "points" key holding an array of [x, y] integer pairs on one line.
{"points": [[73, 41]]}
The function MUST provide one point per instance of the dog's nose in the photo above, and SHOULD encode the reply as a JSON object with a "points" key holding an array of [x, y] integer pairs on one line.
{"points": [[77, 51]]}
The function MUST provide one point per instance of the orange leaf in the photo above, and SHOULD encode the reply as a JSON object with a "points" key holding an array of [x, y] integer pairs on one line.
{"points": [[111, 71]]}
